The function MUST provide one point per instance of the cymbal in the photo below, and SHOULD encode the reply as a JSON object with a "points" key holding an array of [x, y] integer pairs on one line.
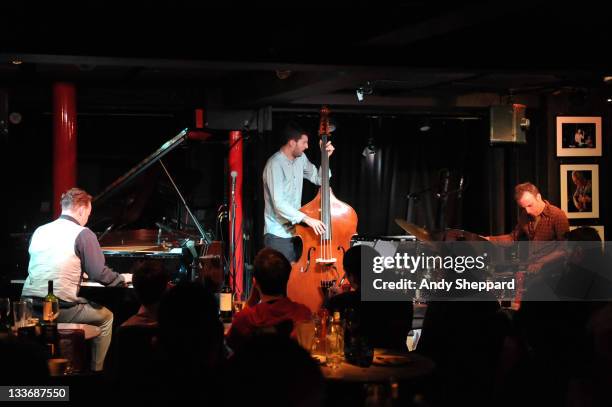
{"points": [[460, 235], [418, 232]]}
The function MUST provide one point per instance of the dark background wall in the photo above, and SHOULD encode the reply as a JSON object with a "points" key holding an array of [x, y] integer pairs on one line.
{"points": [[406, 161]]}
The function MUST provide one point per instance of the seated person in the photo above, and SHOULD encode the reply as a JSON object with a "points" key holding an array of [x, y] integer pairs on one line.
{"points": [[150, 281], [131, 357], [386, 323], [270, 278], [190, 348], [62, 251], [581, 275], [273, 371], [555, 313]]}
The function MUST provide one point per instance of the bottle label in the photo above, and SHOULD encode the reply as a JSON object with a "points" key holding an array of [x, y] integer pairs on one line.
{"points": [[225, 302], [47, 314]]}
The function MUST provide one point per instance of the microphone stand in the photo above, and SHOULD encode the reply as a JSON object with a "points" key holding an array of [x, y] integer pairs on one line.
{"points": [[108, 229], [205, 240], [413, 196], [442, 196], [233, 240]]}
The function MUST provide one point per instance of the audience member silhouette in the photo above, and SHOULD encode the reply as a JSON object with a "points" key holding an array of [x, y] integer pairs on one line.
{"points": [[275, 312], [273, 370], [386, 324], [556, 330], [465, 339], [23, 363], [150, 281]]}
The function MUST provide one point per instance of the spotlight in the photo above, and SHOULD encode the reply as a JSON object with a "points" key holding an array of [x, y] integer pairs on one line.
{"points": [[361, 91], [425, 125], [332, 125], [369, 149], [283, 73], [359, 94], [609, 100]]}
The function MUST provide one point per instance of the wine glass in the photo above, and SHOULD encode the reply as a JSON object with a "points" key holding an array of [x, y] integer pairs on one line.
{"points": [[238, 303]]}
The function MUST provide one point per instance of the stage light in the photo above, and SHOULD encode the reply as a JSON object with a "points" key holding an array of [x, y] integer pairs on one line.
{"points": [[369, 149], [359, 93], [364, 90], [425, 125]]}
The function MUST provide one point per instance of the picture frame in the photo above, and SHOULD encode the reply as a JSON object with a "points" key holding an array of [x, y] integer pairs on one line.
{"points": [[580, 190], [579, 136], [598, 228]]}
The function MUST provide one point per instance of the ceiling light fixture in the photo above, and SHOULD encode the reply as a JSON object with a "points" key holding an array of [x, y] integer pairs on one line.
{"points": [[364, 90], [425, 125], [370, 148]]}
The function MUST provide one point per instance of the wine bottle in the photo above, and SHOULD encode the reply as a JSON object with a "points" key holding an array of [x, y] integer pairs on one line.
{"points": [[225, 302], [50, 304]]}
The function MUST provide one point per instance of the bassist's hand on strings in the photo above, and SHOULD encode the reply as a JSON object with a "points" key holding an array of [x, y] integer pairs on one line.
{"points": [[328, 147], [315, 224]]}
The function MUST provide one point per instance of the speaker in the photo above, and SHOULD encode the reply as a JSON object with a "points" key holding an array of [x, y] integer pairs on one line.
{"points": [[508, 124], [260, 120]]}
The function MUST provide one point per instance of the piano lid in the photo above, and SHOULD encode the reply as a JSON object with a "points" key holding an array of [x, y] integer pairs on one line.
{"points": [[124, 200], [125, 179]]}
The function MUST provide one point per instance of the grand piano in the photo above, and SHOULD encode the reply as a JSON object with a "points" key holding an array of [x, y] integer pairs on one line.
{"points": [[129, 217], [122, 204]]}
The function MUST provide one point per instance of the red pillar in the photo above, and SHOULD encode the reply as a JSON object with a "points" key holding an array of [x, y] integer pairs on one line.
{"points": [[64, 141], [235, 164]]}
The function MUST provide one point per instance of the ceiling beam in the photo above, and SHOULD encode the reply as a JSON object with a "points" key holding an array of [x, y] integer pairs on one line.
{"points": [[468, 16]]}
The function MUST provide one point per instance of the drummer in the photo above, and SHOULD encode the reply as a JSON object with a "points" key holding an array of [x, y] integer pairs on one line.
{"points": [[538, 220]]}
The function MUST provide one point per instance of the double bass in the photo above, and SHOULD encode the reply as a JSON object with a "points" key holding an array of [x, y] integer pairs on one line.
{"points": [[319, 266]]}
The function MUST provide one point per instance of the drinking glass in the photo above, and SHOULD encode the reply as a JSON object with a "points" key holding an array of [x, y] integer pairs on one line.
{"points": [[305, 333], [238, 303], [318, 348], [22, 312]]}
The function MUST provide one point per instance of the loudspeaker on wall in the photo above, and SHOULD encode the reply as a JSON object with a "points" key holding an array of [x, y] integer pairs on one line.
{"points": [[508, 124]]}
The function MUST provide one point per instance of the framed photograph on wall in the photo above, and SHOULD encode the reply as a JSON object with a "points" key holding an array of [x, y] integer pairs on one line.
{"points": [[580, 190], [579, 136], [598, 228]]}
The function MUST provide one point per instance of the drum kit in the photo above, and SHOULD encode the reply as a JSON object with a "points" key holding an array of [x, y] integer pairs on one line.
{"points": [[432, 240], [424, 235]]}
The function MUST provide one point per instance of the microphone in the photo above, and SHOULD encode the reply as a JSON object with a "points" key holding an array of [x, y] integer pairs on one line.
{"points": [[234, 174], [190, 245], [164, 227], [460, 192]]}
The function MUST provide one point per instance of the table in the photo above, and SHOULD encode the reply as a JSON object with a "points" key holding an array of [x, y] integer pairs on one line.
{"points": [[386, 364], [73, 345], [91, 331]]}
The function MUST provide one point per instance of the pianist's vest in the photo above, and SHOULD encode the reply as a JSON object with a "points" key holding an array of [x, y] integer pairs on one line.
{"points": [[52, 257]]}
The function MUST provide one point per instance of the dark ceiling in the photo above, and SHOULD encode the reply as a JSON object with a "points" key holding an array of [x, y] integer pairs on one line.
{"points": [[414, 54]]}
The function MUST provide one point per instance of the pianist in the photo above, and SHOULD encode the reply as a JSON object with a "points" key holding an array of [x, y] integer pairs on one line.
{"points": [[62, 251]]}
